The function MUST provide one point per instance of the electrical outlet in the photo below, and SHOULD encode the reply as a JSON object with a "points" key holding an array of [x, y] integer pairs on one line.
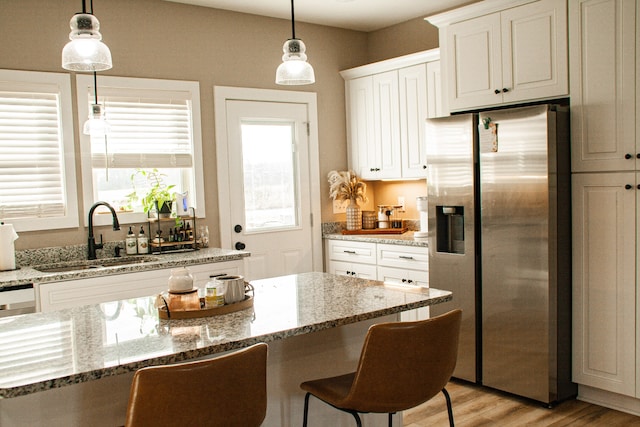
{"points": [[401, 203], [340, 206]]}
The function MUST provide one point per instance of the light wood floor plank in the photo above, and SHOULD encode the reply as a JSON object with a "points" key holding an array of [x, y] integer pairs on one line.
{"points": [[475, 406]]}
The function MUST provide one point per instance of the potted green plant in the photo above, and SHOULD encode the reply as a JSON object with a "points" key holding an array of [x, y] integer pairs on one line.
{"points": [[159, 196]]}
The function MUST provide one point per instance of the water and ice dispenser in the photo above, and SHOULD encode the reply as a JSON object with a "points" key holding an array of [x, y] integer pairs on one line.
{"points": [[450, 229]]}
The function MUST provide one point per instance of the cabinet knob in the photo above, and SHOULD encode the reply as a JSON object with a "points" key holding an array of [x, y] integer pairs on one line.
{"points": [[638, 186], [628, 156], [237, 228], [240, 246], [628, 187], [353, 273], [497, 91], [425, 166], [505, 89], [404, 280], [410, 281], [638, 156]]}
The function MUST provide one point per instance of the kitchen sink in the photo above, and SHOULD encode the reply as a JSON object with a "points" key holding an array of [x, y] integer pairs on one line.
{"points": [[61, 267]]}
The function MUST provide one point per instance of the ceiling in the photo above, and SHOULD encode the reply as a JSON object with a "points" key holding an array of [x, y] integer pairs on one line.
{"points": [[360, 15]]}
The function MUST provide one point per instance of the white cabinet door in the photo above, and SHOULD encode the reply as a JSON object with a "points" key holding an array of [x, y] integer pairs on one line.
{"points": [[402, 277], [360, 125], [74, 293], [519, 54], [413, 102], [435, 100], [384, 156], [603, 85], [604, 281], [534, 51], [474, 59]]}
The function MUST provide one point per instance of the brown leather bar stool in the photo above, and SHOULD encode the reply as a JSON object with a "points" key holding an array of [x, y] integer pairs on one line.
{"points": [[402, 364], [230, 390]]}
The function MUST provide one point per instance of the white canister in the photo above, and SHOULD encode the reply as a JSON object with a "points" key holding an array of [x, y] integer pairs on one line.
{"points": [[234, 288], [181, 280], [8, 236]]}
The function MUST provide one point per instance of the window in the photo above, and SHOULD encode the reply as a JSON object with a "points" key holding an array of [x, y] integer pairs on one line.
{"points": [[153, 124], [37, 162]]}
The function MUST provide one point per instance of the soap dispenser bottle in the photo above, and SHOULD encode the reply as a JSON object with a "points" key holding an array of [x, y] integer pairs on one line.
{"points": [[143, 242], [131, 243]]}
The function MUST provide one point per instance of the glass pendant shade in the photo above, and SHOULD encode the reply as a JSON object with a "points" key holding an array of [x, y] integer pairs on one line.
{"points": [[85, 51], [294, 70], [96, 125]]}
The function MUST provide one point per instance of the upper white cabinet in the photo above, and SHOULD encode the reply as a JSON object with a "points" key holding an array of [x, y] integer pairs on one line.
{"points": [[387, 104], [603, 86], [503, 52]]}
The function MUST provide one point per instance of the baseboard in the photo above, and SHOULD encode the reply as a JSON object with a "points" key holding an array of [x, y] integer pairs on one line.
{"points": [[608, 399]]}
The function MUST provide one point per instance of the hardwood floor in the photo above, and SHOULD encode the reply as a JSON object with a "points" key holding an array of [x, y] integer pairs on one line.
{"points": [[478, 406]]}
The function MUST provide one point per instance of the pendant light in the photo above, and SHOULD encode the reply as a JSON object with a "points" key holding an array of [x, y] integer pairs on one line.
{"points": [[294, 70], [86, 51], [96, 125]]}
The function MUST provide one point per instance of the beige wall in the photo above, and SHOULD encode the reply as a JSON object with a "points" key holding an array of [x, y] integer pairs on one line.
{"points": [[159, 39]]}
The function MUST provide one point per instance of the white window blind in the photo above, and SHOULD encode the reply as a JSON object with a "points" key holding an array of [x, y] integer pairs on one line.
{"points": [[145, 132], [35, 188]]}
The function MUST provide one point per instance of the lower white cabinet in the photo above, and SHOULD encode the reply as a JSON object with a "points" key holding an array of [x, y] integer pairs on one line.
{"points": [[399, 265], [73, 293]]}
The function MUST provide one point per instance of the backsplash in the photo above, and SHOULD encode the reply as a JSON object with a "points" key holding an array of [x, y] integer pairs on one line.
{"points": [[337, 227], [27, 257]]}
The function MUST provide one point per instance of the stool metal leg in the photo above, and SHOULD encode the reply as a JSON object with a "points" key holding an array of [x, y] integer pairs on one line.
{"points": [[449, 408], [306, 409]]}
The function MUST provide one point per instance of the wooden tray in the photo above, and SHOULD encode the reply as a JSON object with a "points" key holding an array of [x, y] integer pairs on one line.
{"points": [[377, 231], [163, 312]]}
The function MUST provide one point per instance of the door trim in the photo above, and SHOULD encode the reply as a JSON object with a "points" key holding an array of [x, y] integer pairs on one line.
{"points": [[221, 94]]}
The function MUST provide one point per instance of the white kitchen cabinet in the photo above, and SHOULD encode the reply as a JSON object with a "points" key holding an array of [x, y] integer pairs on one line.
{"points": [[605, 201], [387, 103], [603, 85], [400, 265], [384, 154], [605, 207], [414, 108], [73, 293], [509, 56]]}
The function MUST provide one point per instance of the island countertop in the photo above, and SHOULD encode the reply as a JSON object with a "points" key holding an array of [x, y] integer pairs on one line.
{"points": [[97, 341]]}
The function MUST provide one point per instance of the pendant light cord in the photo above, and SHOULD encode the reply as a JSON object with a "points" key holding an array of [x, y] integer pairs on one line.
{"points": [[293, 22], [95, 87]]}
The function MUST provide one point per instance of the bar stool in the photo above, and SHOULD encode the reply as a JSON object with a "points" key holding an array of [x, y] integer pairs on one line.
{"points": [[230, 390], [402, 364]]}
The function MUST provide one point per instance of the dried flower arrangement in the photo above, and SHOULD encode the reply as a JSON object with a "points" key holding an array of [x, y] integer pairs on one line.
{"points": [[346, 185]]}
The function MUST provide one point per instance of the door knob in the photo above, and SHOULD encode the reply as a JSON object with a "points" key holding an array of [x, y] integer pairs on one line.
{"points": [[237, 228], [240, 246]]}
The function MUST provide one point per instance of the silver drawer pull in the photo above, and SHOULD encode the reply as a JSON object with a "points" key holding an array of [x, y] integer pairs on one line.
{"points": [[405, 257], [349, 252]]}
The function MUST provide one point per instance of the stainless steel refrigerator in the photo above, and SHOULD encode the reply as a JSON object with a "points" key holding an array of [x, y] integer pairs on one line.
{"points": [[500, 239]]}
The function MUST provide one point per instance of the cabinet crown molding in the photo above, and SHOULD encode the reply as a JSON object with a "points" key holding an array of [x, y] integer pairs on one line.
{"points": [[392, 64], [472, 11]]}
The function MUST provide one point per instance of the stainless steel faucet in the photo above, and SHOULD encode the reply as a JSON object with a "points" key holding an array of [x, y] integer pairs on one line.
{"points": [[92, 245]]}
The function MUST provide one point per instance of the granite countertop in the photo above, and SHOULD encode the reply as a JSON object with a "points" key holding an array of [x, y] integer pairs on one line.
{"points": [[96, 341], [26, 274], [406, 239]]}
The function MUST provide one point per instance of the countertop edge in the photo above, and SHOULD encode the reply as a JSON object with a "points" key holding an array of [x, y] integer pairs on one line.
{"points": [[17, 391]]}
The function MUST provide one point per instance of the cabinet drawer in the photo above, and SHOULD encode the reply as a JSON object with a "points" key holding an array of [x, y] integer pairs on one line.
{"points": [[403, 277], [353, 269], [342, 250], [410, 257]]}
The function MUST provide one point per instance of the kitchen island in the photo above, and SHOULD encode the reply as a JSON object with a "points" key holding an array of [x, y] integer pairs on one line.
{"points": [[74, 366]]}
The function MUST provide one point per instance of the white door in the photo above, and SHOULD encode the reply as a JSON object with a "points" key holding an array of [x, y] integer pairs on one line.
{"points": [[269, 187]]}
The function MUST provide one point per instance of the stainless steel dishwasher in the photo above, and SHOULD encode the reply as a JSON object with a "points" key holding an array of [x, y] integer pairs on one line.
{"points": [[20, 299]]}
